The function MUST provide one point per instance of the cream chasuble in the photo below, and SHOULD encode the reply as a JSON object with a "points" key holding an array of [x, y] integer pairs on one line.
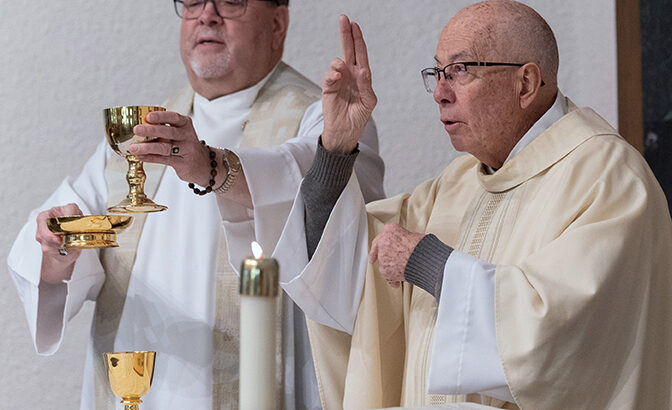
{"points": [[275, 118], [580, 234]]}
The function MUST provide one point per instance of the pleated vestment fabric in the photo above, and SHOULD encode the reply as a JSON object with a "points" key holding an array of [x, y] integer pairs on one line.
{"points": [[580, 234]]}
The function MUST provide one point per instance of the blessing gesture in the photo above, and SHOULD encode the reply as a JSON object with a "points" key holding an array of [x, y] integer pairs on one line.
{"points": [[347, 96]]}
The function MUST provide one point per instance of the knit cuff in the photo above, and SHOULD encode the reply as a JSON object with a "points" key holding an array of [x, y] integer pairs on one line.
{"points": [[426, 264], [321, 188], [331, 170]]}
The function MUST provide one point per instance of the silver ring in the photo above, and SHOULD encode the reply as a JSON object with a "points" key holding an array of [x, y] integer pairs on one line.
{"points": [[62, 251], [175, 150]]}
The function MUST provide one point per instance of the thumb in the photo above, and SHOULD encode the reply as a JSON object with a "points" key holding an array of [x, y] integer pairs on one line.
{"points": [[366, 88], [373, 253]]}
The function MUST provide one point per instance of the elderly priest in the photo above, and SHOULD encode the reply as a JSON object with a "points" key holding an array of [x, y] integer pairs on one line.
{"points": [[524, 273]]}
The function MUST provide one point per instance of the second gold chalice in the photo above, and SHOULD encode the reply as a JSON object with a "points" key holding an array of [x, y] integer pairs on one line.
{"points": [[119, 123], [130, 375]]}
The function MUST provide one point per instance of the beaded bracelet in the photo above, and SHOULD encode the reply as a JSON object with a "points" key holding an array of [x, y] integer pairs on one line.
{"points": [[213, 173]]}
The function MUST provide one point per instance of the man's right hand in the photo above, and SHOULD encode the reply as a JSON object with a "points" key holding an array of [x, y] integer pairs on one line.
{"points": [[347, 96], [56, 267]]}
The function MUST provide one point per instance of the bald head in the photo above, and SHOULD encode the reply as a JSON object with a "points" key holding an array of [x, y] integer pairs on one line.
{"points": [[487, 109], [511, 31]]}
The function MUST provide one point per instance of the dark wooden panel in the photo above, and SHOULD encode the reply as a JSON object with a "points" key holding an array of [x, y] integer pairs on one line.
{"points": [[656, 66], [630, 121]]}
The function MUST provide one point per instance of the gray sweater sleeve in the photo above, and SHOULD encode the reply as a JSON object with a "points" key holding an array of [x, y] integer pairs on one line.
{"points": [[426, 264], [321, 188]]}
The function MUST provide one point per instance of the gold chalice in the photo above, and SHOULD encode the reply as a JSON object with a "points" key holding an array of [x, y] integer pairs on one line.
{"points": [[87, 232], [130, 375], [119, 123]]}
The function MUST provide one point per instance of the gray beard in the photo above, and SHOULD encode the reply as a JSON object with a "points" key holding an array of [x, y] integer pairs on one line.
{"points": [[212, 67]]}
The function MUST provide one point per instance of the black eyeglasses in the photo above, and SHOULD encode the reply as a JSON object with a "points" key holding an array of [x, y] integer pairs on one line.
{"points": [[456, 73], [227, 9]]}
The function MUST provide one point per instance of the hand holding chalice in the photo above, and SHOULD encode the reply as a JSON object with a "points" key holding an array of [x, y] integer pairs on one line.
{"points": [[119, 123]]}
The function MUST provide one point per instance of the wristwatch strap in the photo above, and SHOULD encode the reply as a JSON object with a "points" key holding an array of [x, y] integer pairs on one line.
{"points": [[232, 164]]}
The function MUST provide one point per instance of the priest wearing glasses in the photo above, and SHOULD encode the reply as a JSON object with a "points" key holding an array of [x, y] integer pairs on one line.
{"points": [[534, 272], [170, 287]]}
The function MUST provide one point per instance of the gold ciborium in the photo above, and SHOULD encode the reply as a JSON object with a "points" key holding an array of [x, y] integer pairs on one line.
{"points": [[87, 232], [119, 123], [130, 375]]}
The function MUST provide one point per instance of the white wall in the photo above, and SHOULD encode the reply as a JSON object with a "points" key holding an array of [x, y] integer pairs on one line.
{"points": [[63, 62]]}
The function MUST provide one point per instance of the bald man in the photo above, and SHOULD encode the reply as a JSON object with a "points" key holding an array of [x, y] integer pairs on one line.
{"points": [[528, 270]]}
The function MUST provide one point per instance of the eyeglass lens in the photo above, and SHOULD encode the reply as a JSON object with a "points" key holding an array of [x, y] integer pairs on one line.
{"points": [[192, 9]]}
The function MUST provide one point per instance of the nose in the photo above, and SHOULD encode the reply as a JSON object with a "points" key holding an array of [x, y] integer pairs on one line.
{"points": [[209, 15], [444, 92]]}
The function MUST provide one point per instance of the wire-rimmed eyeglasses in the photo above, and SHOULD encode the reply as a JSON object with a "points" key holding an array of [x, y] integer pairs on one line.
{"points": [[456, 73], [227, 9]]}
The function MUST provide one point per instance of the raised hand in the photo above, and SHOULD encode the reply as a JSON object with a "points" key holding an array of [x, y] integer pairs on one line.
{"points": [[347, 96], [391, 249], [57, 265]]}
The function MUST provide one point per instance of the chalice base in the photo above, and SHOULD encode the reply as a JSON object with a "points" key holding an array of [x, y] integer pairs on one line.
{"points": [[131, 403], [90, 240], [139, 205]]}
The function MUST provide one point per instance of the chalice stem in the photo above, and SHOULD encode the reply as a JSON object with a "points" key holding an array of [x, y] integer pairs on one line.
{"points": [[131, 403], [136, 180]]}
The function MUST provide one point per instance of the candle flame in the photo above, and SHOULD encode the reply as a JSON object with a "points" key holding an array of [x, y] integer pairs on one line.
{"points": [[257, 251]]}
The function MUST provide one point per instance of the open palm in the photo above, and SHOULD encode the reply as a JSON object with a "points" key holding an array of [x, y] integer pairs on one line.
{"points": [[347, 96]]}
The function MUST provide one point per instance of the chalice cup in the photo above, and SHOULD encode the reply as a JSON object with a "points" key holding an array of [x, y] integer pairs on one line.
{"points": [[119, 123], [130, 375]]}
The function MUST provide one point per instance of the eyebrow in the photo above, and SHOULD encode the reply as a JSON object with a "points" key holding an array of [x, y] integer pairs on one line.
{"points": [[461, 56]]}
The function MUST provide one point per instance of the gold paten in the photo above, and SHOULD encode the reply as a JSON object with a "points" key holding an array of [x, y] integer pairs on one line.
{"points": [[130, 375], [119, 123], [88, 232], [259, 277]]}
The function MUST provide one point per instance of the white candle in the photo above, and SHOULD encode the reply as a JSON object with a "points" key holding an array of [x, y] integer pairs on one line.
{"points": [[258, 292]]}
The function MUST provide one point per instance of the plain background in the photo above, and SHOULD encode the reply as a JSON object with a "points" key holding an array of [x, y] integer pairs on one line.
{"points": [[63, 62]]}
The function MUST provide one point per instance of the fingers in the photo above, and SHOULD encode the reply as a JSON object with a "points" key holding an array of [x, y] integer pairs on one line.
{"points": [[332, 76], [167, 117], [347, 45], [352, 43], [363, 73], [71, 209], [143, 149], [337, 65], [170, 160], [361, 54], [158, 131], [373, 253], [164, 124], [50, 241], [43, 235]]}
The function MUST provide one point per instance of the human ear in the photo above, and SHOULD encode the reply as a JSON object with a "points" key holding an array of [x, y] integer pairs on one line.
{"points": [[530, 81], [280, 25]]}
